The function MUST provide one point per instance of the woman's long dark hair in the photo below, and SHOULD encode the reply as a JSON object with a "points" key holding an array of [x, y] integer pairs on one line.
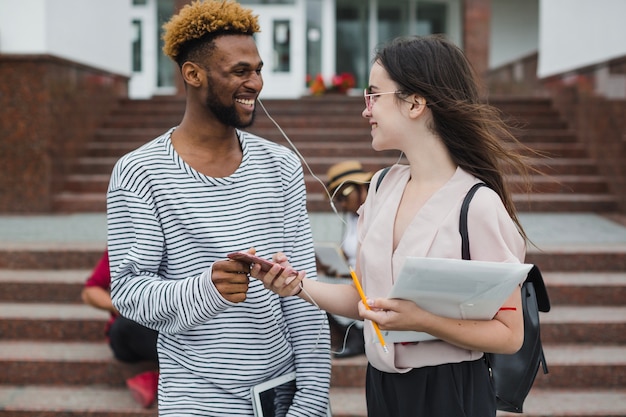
{"points": [[473, 131]]}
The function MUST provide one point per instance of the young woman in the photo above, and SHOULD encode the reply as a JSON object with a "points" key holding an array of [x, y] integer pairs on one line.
{"points": [[423, 100]]}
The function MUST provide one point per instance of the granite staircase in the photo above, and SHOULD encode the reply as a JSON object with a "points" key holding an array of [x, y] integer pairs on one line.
{"points": [[326, 130], [56, 363]]}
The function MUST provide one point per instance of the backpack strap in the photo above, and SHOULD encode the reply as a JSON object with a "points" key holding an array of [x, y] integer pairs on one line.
{"points": [[541, 293], [381, 176], [465, 251]]}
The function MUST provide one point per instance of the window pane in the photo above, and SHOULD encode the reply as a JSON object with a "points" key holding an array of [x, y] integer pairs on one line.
{"points": [[352, 55], [313, 37], [282, 42], [267, 1], [166, 67], [136, 48], [431, 18]]}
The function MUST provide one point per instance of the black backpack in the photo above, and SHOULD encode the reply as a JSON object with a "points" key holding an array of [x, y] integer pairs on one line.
{"points": [[514, 375]]}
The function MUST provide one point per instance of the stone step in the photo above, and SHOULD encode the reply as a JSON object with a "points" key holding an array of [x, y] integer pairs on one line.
{"points": [[68, 202], [50, 256], [64, 286], [573, 403], [557, 184], [558, 202], [577, 324], [320, 164], [584, 288], [85, 363], [328, 104], [508, 103], [579, 257], [300, 121], [20, 286], [48, 321], [552, 203], [311, 118], [525, 121], [583, 366], [137, 136], [53, 321], [360, 134], [95, 202], [546, 120], [574, 257], [570, 367], [563, 184], [115, 147], [39, 362], [99, 401], [69, 401]]}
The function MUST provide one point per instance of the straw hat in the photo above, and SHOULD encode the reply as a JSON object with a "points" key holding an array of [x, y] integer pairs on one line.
{"points": [[346, 172]]}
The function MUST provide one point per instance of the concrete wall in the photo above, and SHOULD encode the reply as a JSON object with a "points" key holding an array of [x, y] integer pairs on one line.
{"points": [[579, 33], [514, 30], [90, 32]]}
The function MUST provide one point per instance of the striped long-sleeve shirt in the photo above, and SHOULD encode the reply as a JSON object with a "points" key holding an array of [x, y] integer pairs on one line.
{"points": [[167, 224]]}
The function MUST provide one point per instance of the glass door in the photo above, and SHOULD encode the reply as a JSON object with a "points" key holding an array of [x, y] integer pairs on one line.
{"points": [[363, 25]]}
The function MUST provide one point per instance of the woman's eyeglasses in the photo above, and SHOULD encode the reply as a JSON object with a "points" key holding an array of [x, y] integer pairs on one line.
{"points": [[370, 99]]}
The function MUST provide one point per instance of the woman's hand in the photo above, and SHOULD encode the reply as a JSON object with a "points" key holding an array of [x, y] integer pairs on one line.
{"points": [[395, 314], [281, 278]]}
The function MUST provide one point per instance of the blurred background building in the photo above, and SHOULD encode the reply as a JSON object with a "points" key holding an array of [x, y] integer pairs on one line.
{"points": [[326, 37], [67, 67]]}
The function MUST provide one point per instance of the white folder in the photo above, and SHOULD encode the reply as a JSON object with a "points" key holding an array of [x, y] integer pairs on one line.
{"points": [[454, 288]]}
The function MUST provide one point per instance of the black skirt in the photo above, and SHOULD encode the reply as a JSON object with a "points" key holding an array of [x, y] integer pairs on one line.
{"points": [[449, 390]]}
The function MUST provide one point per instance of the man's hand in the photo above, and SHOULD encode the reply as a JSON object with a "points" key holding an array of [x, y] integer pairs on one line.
{"points": [[231, 278]]}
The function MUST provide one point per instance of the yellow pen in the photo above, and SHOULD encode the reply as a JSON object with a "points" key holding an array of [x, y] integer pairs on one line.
{"points": [[357, 284]]}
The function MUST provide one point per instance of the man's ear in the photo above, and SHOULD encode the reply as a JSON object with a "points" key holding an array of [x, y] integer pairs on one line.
{"points": [[191, 74]]}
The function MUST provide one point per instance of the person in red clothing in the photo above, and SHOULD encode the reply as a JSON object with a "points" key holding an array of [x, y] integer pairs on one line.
{"points": [[129, 341]]}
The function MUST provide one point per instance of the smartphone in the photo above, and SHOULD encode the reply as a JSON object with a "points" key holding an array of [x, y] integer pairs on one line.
{"points": [[253, 259]]}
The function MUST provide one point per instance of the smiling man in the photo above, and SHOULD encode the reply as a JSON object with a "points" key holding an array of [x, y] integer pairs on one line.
{"points": [[179, 204]]}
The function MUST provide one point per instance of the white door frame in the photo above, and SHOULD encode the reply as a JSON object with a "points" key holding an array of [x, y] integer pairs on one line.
{"points": [[142, 84], [282, 84]]}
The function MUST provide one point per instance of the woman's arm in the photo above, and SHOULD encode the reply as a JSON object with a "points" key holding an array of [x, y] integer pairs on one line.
{"points": [[503, 334]]}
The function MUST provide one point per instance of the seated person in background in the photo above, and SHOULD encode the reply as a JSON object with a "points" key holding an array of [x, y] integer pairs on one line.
{"points": [[129, 341], [348, 184]]}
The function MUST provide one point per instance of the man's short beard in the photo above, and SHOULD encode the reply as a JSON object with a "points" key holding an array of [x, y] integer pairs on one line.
{"points": [[226, 114]]}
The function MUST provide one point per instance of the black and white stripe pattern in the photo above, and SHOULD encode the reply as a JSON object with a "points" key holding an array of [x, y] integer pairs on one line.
{"points": [[167, 224]]}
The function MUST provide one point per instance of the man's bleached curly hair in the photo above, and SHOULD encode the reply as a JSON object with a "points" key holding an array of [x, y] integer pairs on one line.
{"points": [[198, 23]]}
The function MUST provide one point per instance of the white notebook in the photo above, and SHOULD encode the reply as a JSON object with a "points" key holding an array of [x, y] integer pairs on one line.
{"points": [[454, 288], [272, 398]]}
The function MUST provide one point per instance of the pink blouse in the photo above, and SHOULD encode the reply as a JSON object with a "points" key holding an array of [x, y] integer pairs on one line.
{"points": [[434, 232]]}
